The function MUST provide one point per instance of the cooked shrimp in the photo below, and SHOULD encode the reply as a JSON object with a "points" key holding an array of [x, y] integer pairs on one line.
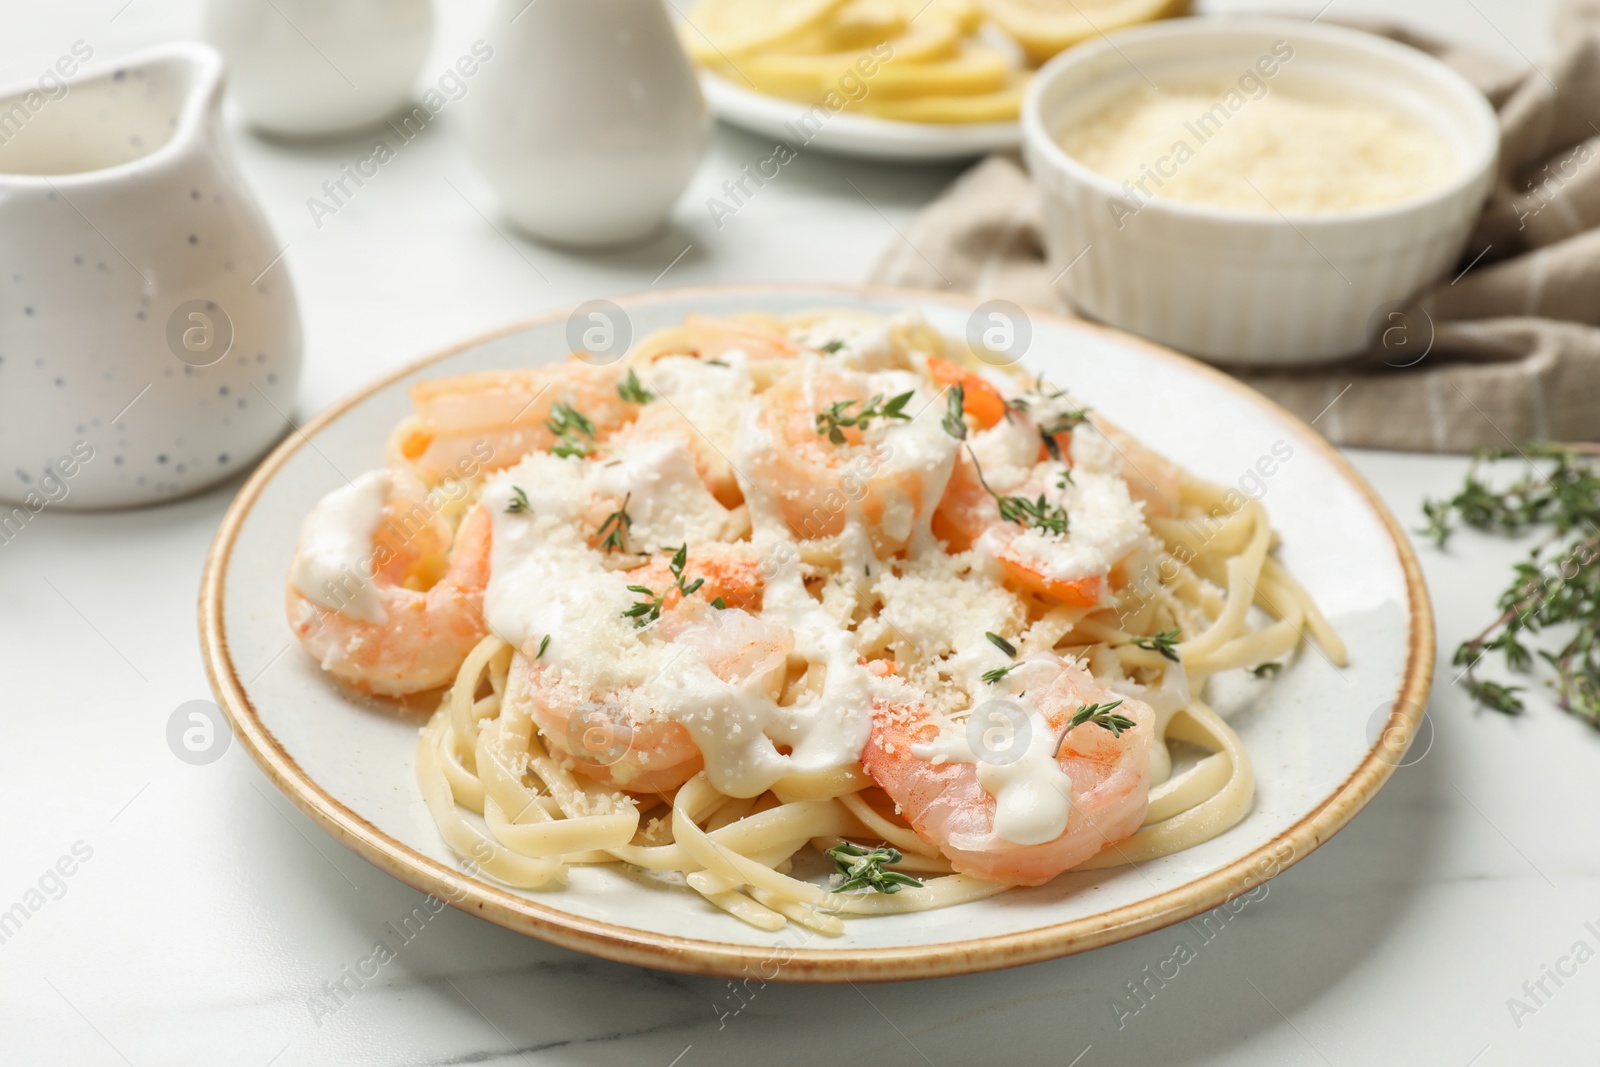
{"points": [[659, 421], [487, 421], [946, 801], [611, 737], [398, 631], [982, 402], [818, 474], [969, 511], [758, 339], [729, 573]]}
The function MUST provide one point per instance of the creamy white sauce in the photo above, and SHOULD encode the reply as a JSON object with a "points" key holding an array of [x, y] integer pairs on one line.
{"points": [[1104, 525], [710, 396], [1007, 452], [333, 562], [858, 343], [544, 579], [1032, 794]]}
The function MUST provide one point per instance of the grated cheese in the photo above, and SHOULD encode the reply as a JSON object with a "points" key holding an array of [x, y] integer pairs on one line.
{"points": [[1302, 154]]}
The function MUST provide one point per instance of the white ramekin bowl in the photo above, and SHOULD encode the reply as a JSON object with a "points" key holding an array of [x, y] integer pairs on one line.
{"points": [[1232, 286]]}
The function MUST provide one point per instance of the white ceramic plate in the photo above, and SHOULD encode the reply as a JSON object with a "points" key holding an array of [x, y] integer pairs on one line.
{"points": [[1311, 732], [845, 134]]}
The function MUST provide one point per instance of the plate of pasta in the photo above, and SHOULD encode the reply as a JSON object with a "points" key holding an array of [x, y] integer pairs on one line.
{"points": [[802, 629]]}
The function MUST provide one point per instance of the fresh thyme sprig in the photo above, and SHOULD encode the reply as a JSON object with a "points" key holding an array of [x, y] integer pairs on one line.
{"points": [[837, 416], [1069, 420], [1164, 642], [1002, 644], [1101, 715], [615, 529], [567, 423], [1009, 649], [519, 502], [649, 610], [1555, 586], [1040, 514], [645, 611], [955, 421], [633, 391], [863, 868]]}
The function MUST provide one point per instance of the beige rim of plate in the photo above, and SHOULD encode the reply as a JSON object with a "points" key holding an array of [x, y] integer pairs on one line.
{"points": [[527, 916]]}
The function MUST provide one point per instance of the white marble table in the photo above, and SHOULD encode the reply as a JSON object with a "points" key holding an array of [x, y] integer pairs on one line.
{"points": [[210, 919]]}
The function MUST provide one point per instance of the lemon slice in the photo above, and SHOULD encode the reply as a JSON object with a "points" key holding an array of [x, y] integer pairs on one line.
{"points": [[964, 13], [718, 28], [1002, 105], [809, 77], [975, 68], [1045, 27]]}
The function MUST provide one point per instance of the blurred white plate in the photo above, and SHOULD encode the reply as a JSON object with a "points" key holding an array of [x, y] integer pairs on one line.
{"points": [[1313, 732], [846, 134]]}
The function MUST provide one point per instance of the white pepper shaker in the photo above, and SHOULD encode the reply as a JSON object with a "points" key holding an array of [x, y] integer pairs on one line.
{"points": [[309, 68]]}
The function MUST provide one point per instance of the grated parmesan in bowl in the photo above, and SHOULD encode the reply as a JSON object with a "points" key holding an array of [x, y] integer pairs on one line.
{"points": [[1253, 191]]}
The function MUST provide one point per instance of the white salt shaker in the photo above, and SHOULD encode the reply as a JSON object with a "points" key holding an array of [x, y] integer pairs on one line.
{"points": [[320, 67], [149, 336], [589, 123]]}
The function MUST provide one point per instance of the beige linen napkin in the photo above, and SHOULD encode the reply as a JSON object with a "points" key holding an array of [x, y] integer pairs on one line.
{"points": [[1511, 338]]}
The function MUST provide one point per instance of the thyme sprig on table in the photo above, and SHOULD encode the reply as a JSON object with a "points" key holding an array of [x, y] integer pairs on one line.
{"points": [[838, 415], [1555, 586], [863, 868]]}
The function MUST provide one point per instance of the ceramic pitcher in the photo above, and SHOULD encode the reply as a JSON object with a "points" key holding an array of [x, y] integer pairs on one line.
{"points": [[149, 337], [320, 67], [590, 122]]}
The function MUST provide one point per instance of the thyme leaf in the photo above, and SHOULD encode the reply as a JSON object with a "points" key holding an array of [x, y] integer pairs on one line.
{"points": [[863, 868], [519, 502], [615, 528], [1100, 715], [1039, 514], [1002, 644], [1555, 587], [838, 415], [633, 391], [998, 673], [1163, 642], [955, 421], [568, 423]]}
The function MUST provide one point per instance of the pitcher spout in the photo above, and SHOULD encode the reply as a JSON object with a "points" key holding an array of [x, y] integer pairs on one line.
{"points": [[109, 119]]}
